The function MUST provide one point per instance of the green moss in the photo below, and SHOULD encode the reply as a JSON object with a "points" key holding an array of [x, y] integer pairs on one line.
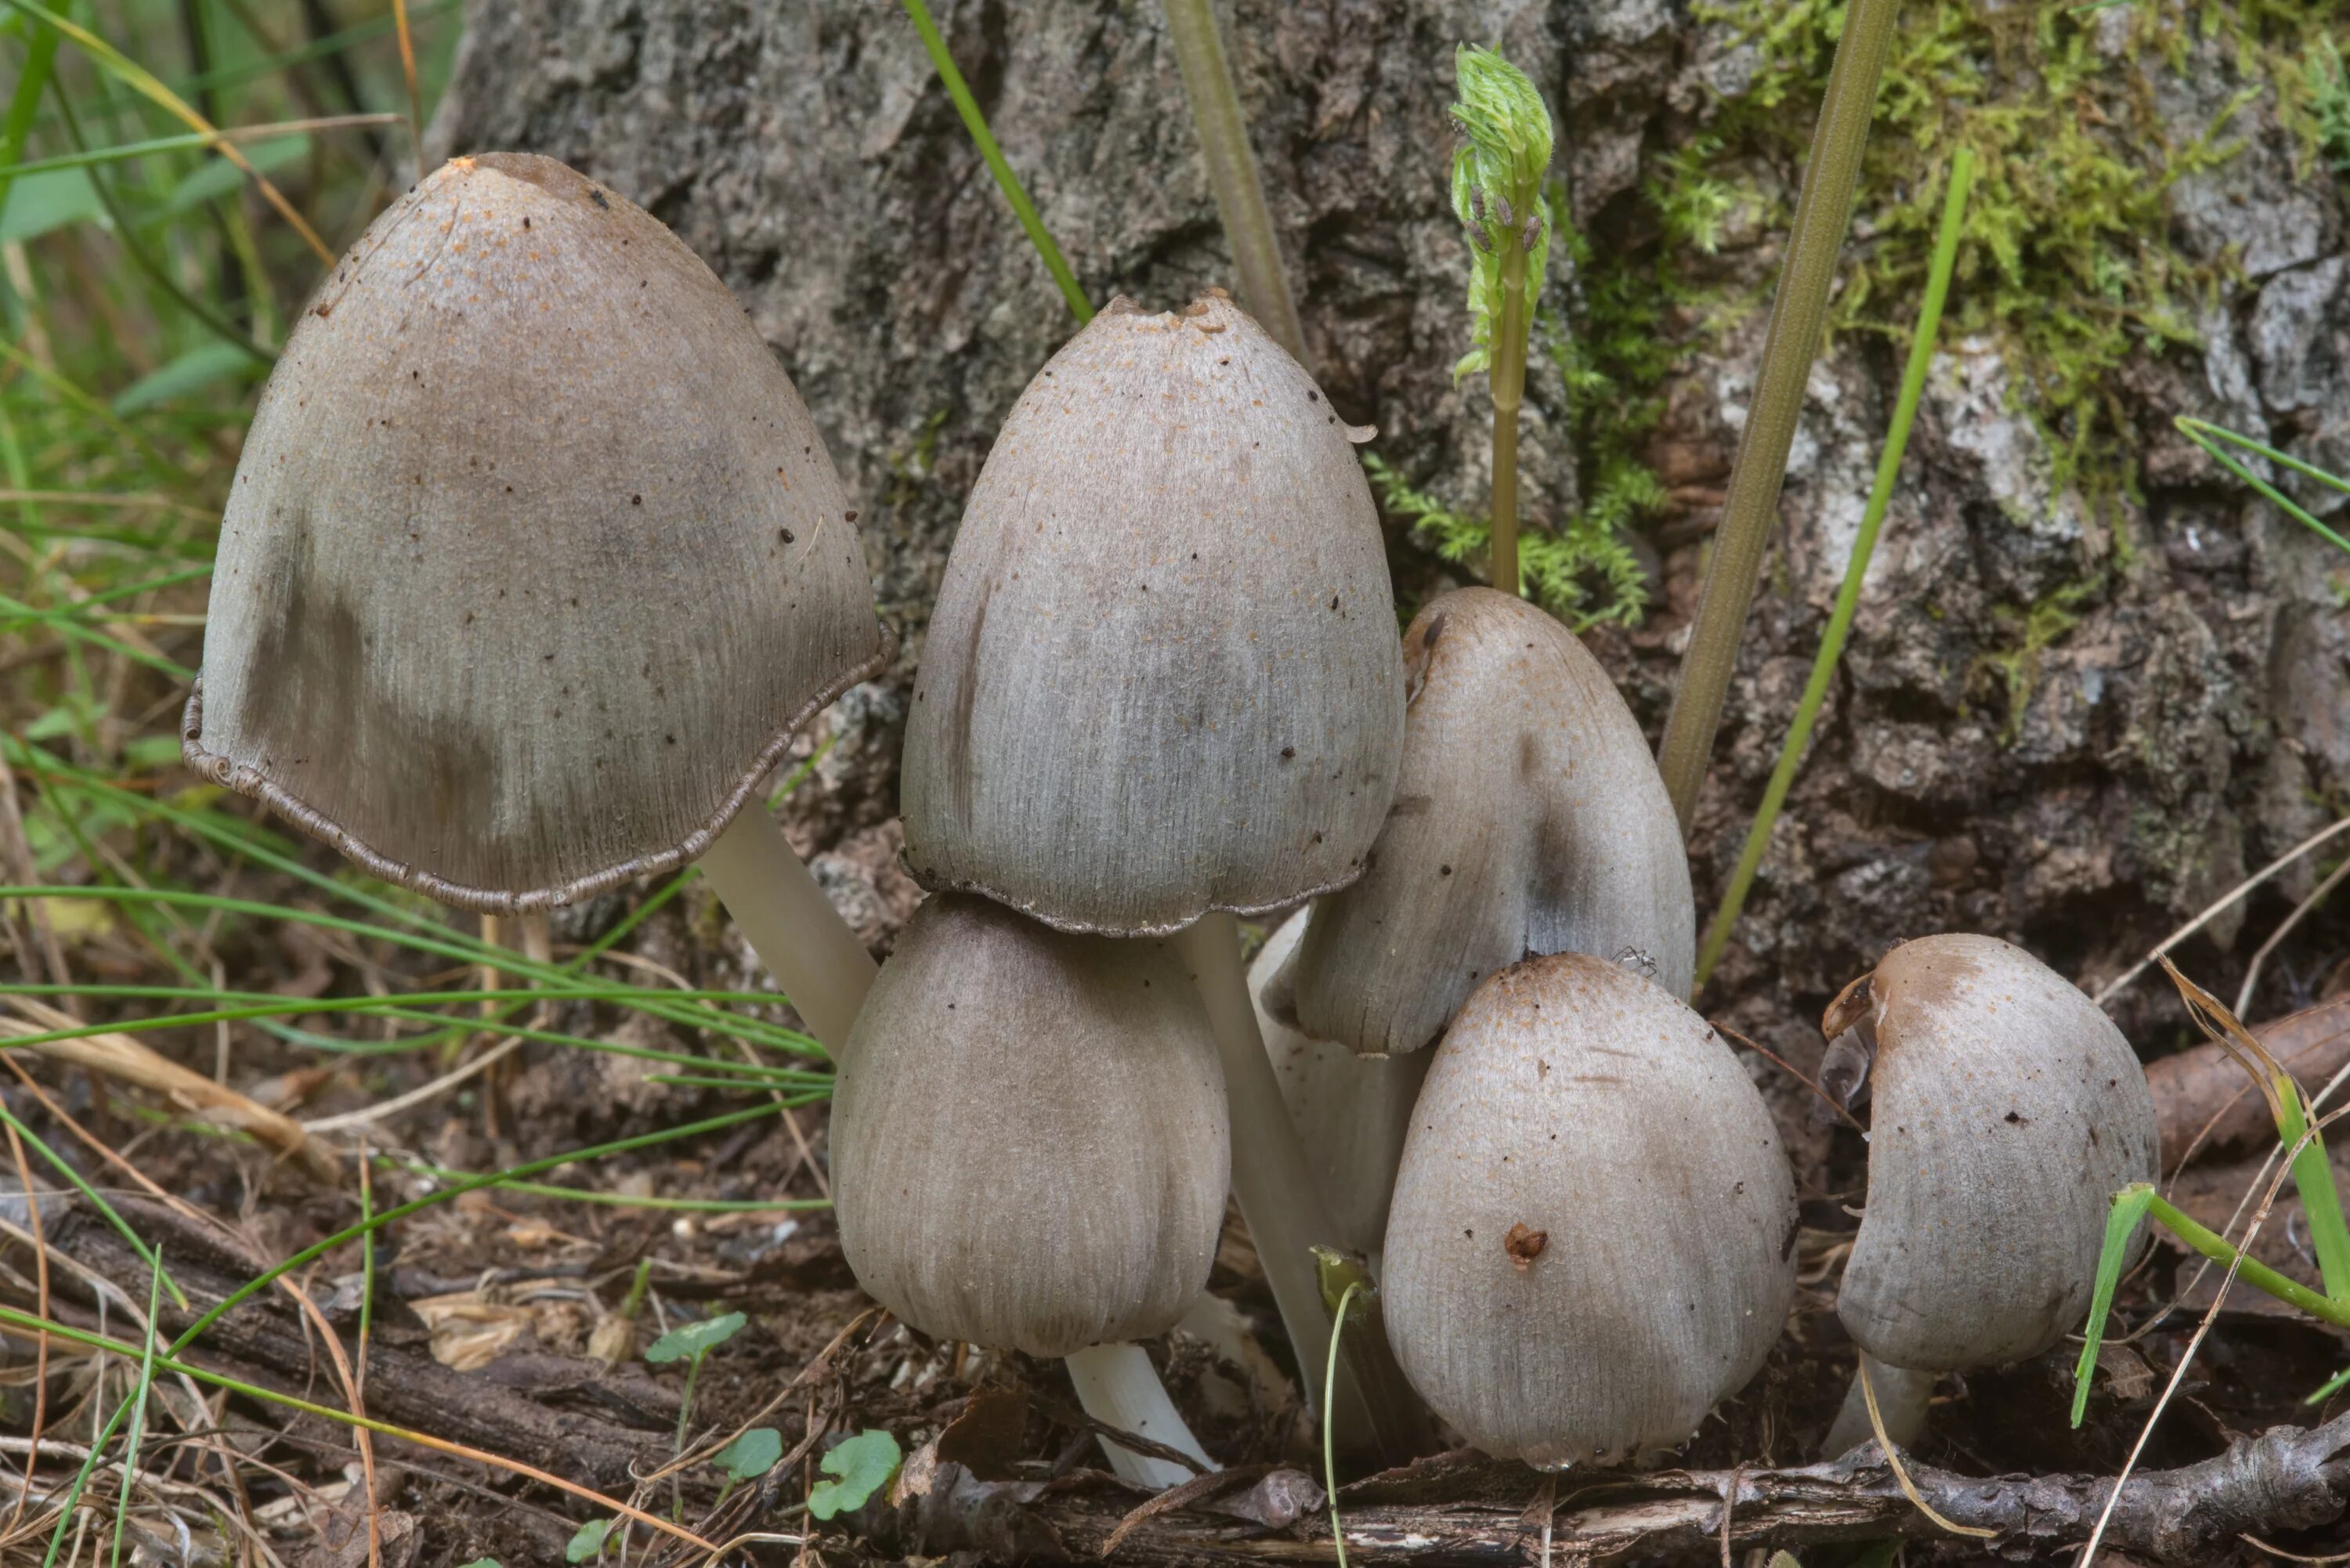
{"points": [[2012, 671], [2069, 265]]}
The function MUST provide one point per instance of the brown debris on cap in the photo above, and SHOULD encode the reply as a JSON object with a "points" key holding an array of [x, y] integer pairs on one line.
{"points": [[533, 561], [1162, 677]]}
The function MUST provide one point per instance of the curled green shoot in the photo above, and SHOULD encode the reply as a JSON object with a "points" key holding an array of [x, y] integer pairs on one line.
{"points": [[1498, 193]]}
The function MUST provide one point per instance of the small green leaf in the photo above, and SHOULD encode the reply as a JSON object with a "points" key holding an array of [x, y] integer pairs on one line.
{"points": [[751, 1455], [589, 1541], [40, 203], [863, 1466], [694, 1339], [486, 1562], [1785, 1560], [2131, 1205]]}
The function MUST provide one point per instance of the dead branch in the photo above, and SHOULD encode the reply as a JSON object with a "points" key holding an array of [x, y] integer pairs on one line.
{"points": [[1465, 1509]]}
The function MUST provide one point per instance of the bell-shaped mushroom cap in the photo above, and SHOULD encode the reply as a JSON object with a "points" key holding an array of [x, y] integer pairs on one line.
{"points": [[1028, 1137], [1592, 1237], [1161, 678], [2006, 1111], [1351, 1112], [534, 560], [1529, 819]]}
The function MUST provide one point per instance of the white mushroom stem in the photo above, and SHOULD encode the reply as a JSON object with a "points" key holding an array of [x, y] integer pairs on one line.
{"points": [[1278, 1198], [1119, 1388], [1902, 1399], [790, 924]]}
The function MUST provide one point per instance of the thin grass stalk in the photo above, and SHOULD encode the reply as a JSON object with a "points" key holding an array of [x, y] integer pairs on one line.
{"points": [[1855, 571], [24, 103], [975, 123], [1798, 317], [1232, 172], [191, 142], [2208, 436], [1508, 380], [138, 1410]]}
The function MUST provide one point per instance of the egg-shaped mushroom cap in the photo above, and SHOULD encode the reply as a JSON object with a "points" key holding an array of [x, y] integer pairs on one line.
{"points": [[534, 560], [1029, 1147], [1529, 817], [1351, 1112], [1161, 678], [1593, 1236], [2006, 1110]]}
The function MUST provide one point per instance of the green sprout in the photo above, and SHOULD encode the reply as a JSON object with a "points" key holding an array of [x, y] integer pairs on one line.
{"points": [[589, 1541], [1498, 194], [690, 1343]]}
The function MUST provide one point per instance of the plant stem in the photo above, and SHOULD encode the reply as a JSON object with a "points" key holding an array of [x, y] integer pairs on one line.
{"points": [[1232, 171], [1847, 601], [1902, 1396], [2216, 1248], [1798, 314], [1509, 382], [1006, 180], [790, 924]]}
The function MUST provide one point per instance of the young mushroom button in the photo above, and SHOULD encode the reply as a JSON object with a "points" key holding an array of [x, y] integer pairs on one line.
{"points": [[2005, 1112], [1529, 819], [1593, 1236], [533, 566], [1029, 1150]]}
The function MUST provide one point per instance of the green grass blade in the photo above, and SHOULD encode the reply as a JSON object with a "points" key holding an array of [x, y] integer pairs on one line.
{"points": [[1329, 1405], [2129, 1210], [24, 102], [80, 1184], [137, 1408], [2208, 436], [2312, 1176], [1847, 600], [975, 122]]}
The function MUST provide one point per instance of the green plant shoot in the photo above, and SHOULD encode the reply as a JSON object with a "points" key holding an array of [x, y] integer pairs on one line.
{"points": [[588, 1542], [1498, 193], [858, 1468], [693, 1340], [2208, 436]]}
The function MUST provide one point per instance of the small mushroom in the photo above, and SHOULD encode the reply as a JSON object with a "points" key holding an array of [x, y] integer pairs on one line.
{"points": [[1592, 1237], [1029, 1150], [2006, 1111], [533, 566], [1161, 678], [1352, 1113], [1529, 817], [1161, 686]]}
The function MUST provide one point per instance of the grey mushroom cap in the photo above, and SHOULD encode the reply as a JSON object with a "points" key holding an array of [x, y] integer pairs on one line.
{"points": [[1529, 817], [1163, 678], [2006, 1111], [533, 561], [1029, 1147], [1592, 1235]]}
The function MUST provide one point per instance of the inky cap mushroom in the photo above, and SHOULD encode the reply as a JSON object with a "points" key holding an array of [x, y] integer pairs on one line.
{"points": [[1529, 817], [533, 561], [1163, 678], [1028, 1137], [2006, 1111], [1593, 1236]]}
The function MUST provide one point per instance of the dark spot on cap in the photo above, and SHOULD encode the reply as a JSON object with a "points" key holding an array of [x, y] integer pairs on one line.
{"points": [[598, 197], [1444, 871], [526, 223], [1313, 397], [1287, 752], [851, 514], [786, 535], [636, 500], [1523, 1245]]}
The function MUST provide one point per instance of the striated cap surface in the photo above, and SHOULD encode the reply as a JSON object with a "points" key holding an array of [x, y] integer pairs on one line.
{"points": [[1593, 1236], [1162, 676], [534, 560], [1528, 818], [1029, 1143], [2006, 1110]]}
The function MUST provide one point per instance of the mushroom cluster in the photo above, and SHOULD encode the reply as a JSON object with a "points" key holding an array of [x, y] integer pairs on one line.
{"points": [[535, 562]]}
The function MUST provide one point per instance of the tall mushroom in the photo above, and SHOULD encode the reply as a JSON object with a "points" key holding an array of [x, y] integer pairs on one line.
{"points": [[1593, 1236], [1162, 685], [1028, 1150], [1529, 817], [2006, 1110], [533, 566]]}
